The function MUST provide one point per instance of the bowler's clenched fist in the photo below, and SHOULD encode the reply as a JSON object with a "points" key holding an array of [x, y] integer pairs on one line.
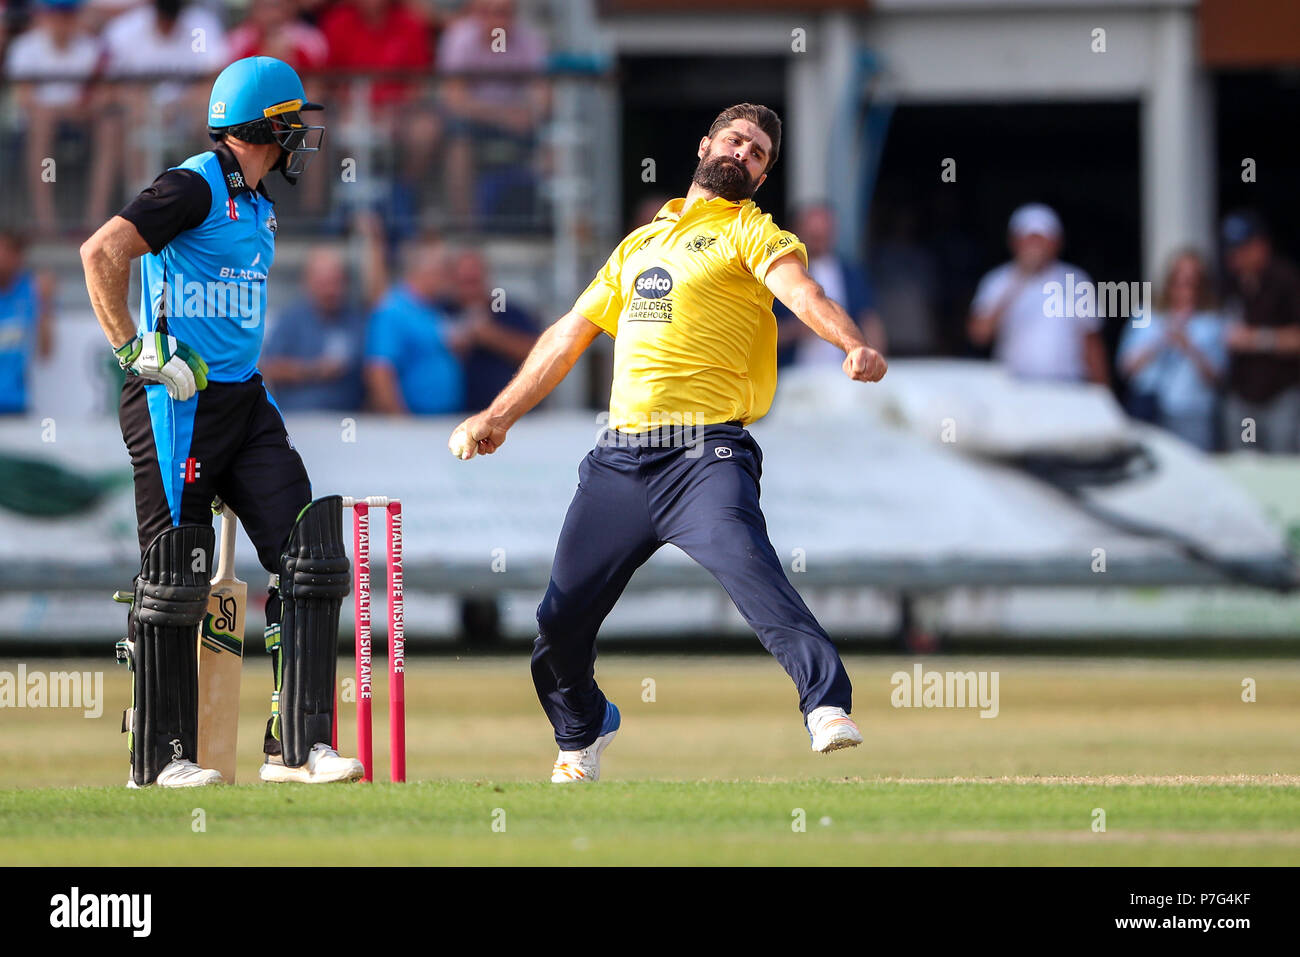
{"points": [[865, 364], [477, 435]]}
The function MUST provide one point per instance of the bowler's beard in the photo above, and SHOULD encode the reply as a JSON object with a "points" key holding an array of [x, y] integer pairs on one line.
{"points": [[725, 177]]}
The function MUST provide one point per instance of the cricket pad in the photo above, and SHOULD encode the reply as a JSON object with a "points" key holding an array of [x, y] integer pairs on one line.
{"points": [[314, 580], [170, 599]]}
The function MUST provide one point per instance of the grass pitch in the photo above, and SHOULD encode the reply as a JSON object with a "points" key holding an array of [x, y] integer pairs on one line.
{"points": [[715, 769]]}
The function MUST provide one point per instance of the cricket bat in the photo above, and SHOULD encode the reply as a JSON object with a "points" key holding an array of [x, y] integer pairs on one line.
{"points": [[221, 650]]}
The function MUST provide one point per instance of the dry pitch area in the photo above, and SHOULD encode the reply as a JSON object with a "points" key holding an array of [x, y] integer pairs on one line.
{"points": [[715, 769]]}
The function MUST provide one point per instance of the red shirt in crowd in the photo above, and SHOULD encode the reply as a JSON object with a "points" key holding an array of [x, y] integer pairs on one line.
{"points": [[298, 44], [399, 40]]}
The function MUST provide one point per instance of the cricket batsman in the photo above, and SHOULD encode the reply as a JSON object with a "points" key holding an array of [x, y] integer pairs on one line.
{"points": [[688, 301], [198, 422]]}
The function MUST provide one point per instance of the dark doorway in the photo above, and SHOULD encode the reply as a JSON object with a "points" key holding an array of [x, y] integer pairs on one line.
{"points": [[1253, 117], [1080, 158], [668, 104]]}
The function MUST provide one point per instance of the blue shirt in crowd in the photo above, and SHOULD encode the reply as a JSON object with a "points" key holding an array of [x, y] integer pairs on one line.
{"points": [[1171, 377], [411, 336], [19, 311], [488, 372], [302, 332]]}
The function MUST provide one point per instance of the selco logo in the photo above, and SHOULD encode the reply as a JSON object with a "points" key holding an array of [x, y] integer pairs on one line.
{"points": [[654, 283]]}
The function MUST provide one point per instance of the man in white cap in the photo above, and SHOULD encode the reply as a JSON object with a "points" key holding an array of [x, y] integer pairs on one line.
{"points": [[1018, 307]]}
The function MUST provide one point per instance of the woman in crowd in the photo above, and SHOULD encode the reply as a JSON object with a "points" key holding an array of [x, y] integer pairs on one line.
{"points": [[1172, 365]]}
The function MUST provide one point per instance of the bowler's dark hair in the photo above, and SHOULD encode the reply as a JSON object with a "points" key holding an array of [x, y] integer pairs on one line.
{"points": [[765, 119]]}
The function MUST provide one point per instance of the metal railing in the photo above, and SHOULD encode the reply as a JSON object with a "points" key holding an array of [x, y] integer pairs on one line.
{"points": [[489, 154]]}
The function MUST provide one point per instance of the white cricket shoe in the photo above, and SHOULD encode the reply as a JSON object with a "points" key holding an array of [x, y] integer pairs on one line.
{"points": [[831, 729], [324, 766], [183, 773], [584, 765]]}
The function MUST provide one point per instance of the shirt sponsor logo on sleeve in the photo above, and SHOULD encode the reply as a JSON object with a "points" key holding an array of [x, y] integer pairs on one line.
{"points": [[785, 239]]}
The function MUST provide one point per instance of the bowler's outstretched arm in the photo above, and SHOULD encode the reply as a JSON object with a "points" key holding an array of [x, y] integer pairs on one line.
{"points": [[789, 281], [547, 364]]}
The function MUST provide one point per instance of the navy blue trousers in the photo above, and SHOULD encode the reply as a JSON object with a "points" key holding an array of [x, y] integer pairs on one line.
{"points": [[703, 498]]}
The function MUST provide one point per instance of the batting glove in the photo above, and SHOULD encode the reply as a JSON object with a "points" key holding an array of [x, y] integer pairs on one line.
{"points": [[160, 358]]}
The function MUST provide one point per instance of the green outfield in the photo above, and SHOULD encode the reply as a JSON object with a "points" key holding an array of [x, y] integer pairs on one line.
{"points": [[712, 766]]}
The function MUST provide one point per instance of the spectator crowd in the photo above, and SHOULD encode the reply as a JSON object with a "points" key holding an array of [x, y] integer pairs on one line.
{"points": [[1214, 356], [1215, 362], [124, 83], [440, 339]]}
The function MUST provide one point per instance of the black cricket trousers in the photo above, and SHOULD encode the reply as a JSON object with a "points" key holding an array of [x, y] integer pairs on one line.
{"points": [[229, 441], [701, 496]]}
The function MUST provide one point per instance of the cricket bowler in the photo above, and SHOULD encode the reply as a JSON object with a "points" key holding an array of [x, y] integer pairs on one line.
{"points": [[688, 301], [199, 423]]}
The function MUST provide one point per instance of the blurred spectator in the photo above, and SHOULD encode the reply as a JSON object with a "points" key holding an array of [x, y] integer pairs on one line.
{"points": [[393, 37], [492, 335], [273, 29], [1263, 292], [1174, 362], [492, 118], [26, 322], [908, 287], [313, 354], [410, 366], [57, 46], [99, 12], [1011, 307], [379, 35], [845, 282], [166, 38]]}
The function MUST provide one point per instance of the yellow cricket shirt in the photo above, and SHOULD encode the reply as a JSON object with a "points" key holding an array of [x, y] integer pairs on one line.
{"points": [[694, 334]]}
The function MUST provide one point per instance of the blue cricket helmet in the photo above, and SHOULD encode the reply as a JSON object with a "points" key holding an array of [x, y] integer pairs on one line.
{"points": [[260, 99]]}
